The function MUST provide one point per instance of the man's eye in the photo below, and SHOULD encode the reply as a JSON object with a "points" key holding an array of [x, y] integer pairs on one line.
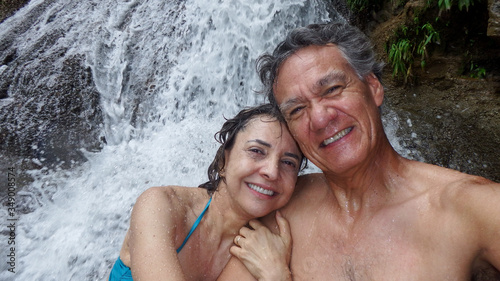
{"points": [[295, 110], [333, 89]]}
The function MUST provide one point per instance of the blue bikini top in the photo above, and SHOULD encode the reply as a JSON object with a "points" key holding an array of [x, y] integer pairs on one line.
{"points": [[195, 225]]}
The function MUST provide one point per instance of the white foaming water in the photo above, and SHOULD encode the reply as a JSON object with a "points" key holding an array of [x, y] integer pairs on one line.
{"points": [[167, 73]]}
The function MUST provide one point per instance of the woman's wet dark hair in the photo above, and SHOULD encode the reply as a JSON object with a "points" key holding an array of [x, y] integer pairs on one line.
{"points": [[227, 135]]}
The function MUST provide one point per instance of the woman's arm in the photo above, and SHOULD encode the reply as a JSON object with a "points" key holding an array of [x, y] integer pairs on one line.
{"points": [[235, 270], [152, 237], [265, 255]]}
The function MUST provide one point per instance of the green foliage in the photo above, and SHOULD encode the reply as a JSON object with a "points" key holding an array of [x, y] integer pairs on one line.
{"points": [[476, 71], [408, 43], [447, 4], [415, 40], [401, 58], [430, 36], [358, 5], [444, 4]]}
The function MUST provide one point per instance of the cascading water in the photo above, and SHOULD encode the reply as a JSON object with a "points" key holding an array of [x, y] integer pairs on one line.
{"points": [[164, 75]]}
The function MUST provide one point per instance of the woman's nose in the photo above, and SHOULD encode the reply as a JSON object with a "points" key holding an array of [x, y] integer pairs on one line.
{"points": [[270, 170]]}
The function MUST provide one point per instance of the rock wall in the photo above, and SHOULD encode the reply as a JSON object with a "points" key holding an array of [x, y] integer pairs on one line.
{"points": [[49, 104], [9, 7], [446, 117], [494, 18]]}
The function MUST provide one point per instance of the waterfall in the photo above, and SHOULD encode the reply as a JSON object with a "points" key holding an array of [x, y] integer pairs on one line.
{"points": [[160, 77]]}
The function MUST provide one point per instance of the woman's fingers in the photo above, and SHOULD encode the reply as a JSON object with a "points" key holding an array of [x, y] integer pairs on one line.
{"points": [[255, 224], [265, 254], [284, 227], [257, 231], [237, 239], [235, 251]]}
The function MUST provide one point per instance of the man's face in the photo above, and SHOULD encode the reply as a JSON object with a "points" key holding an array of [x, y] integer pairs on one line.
{"points": [[331, 113]]}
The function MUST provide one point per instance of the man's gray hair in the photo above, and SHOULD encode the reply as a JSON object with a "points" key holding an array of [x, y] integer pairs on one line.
{"points": [[352, 43]]}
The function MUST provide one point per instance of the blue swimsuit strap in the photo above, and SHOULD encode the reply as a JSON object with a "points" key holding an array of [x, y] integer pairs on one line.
{"points": [[195, 225]]}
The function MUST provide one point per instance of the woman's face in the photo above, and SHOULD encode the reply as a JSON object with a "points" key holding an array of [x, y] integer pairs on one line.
{"points": [[261, 169]]}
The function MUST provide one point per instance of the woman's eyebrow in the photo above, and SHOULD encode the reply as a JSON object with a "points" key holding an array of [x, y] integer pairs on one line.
{"points": [[289, 154], [260, 142], [293, 155]]}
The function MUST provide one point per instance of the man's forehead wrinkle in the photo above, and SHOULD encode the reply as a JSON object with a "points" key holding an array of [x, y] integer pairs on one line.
{"points": [[296, 54], [278, 69]]}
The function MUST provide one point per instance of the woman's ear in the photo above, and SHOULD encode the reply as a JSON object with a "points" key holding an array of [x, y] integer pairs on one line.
{"points": [[377, 90], [222, 171]]}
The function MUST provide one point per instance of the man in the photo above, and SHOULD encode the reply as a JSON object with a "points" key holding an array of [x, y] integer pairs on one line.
{"points": [[371, 214]]}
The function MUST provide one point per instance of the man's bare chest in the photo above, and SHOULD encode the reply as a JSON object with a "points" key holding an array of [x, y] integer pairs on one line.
{"points": [[338, 261], [382, 250]]}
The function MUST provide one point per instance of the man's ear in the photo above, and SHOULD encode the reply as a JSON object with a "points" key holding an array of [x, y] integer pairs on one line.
{"points": [[376, 88]]}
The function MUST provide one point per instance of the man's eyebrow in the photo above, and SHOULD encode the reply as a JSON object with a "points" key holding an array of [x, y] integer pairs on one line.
{"points": [[332, 76], [284, 107]]}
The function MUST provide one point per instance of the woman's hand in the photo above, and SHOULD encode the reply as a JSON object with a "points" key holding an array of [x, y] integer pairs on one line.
{"points": [[265, 254]]}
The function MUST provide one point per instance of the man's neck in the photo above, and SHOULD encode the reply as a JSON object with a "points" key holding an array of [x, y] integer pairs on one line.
{"points": [[367, 187]]}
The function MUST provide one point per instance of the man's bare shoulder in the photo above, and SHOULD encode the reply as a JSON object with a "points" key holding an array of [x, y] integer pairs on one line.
{"points": [[473, 200], [470, 199], [453, 185], [436, 178], [468, 191], [309, 190], [310, 185]]}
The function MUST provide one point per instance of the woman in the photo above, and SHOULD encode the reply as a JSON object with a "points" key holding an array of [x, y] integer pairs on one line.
{"points": [[182, 233]]}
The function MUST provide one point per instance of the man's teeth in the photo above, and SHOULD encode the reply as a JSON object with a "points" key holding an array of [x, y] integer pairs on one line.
{"points": [[337, 136], [261, 190]]}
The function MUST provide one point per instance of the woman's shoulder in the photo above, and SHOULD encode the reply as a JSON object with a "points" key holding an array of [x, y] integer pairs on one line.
{"points": [[172, 195], [168, 202], [170, 207]]}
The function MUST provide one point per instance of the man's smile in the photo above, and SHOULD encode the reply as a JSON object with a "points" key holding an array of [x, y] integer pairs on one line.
{"points": [[336, 137]]}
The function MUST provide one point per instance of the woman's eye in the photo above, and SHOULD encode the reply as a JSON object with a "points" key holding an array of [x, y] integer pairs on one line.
{"points": [[290, 163], [256, 150]]}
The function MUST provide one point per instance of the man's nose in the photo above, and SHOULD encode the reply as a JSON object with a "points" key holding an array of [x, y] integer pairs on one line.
{"points": [[321, 114]]}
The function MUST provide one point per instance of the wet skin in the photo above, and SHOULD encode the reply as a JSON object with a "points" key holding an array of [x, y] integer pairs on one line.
{"points": [[372, 214], [260, 171], [322, 99]]}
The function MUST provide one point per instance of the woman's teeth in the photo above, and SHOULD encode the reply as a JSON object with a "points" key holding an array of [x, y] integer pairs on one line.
{"points": [[261, 190]]}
